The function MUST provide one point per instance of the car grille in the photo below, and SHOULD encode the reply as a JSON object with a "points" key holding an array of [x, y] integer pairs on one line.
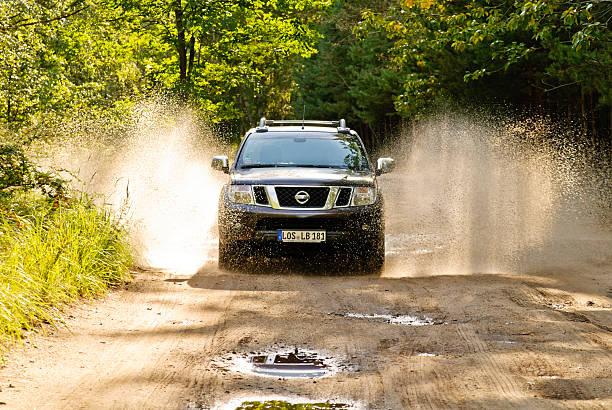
{"points": [[344, 196], [286, 197], [261, 198], [331, 224]]}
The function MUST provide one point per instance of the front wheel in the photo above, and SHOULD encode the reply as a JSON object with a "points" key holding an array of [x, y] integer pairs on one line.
{"points": [[228, 257], [373, 257], [233, 254]]}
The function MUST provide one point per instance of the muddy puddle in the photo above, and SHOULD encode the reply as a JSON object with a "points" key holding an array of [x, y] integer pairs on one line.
{"points": [[280, 402], [282, 363], [285, 405], [291, 364], [424, 354], [407, 320]]}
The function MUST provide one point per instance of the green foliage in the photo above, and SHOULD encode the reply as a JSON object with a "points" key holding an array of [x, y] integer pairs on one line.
{"points": [[17, 172], [232, 59], [237, 60], [52, 253], [63, 55], [442, 46], [348, 77], [250, 66]]}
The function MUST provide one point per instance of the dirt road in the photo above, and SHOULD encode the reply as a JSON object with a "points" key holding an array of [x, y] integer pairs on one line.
{"points": [[515, 304], [536, 340]]}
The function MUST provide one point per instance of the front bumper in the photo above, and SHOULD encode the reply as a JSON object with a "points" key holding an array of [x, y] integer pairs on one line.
{"points": [[239, 222]]}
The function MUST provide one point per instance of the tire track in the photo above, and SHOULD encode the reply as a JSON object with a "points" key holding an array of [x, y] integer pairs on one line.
{"points": [[118, 355], [155, 361], [203, 357], [503, 384]]}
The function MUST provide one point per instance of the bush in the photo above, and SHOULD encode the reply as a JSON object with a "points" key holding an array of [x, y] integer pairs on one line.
{"points": [[17, 172], [53, 252]]}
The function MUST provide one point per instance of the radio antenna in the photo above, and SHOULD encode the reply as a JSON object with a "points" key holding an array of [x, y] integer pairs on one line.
{"points": [[304, 116]]}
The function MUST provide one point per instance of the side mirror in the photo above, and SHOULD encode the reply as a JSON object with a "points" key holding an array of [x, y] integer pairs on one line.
{"points": [[220, 163], [384, 165]]}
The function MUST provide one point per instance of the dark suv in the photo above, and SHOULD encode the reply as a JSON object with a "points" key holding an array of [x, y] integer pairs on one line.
{"points": [[301, 185]]}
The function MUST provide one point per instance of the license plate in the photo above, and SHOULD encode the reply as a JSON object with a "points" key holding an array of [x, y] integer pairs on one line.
{"points": [[301, 236]]}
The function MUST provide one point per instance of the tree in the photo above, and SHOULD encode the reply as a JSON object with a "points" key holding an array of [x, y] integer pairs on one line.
{"points": [[233, 59], [529, 51], [64, 55], [348, 77]]}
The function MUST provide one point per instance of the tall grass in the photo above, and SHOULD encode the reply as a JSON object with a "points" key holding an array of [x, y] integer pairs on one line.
{"points": [[52, 252]]}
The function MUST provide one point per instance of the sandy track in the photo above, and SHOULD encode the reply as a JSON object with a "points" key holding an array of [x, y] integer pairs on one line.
{"points": [[530, 341]]}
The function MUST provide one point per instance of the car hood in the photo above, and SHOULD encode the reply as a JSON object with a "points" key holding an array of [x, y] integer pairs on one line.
{"points": [[301, 176]]}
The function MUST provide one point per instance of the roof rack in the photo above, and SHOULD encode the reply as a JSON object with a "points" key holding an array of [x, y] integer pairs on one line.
{"points": [[341, 125]]}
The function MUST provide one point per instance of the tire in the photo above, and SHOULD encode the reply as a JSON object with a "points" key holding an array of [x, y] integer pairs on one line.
{"points": [[233, 255], [374, 255], [228, 257]]}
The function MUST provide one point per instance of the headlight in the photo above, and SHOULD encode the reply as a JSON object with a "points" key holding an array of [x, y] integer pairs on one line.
{"points": [[241, 194], [364, 196]]}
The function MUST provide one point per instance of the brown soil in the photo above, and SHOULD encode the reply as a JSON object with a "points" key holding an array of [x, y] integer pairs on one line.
{"points": [[537, 340]]}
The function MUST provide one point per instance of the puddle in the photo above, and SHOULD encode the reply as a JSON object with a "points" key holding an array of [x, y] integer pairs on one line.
{"points": [[507, 342], [284, 363], [283, 402], [395, 319], [427, 355], [285, 405], [559, 307], [181, 322], [292, 364]]}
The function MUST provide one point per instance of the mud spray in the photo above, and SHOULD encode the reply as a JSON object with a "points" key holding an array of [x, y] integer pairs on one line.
{"points": [[469, 196], [156, 172], [487, 196]]}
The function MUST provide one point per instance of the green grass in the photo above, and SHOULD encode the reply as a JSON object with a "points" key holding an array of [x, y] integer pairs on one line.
{"points": [[53, 252]]}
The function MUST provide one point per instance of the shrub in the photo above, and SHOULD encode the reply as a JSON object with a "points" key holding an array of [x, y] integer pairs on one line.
{"points": [[53, 252], [17, 172]]}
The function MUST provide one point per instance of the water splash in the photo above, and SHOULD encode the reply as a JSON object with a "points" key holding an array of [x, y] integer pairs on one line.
{"points": [[478, 195], [158, 172], [172, 195], [470, 194]]}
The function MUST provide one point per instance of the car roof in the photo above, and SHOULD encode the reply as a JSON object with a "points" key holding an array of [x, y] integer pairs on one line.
{"points": [[297, 128], [322, 127]]}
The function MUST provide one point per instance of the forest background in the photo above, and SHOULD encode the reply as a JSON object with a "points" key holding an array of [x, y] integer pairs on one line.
{"points": [[376, 63]]}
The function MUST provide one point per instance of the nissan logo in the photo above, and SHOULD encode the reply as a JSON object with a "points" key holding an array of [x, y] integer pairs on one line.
{"points": [[302, 197]]}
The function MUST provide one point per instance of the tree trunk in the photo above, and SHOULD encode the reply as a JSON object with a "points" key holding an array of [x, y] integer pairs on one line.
{"points": [[181, 46], [593, 113], [191, 56], [583, 110], [8, 100], [245, 104]]}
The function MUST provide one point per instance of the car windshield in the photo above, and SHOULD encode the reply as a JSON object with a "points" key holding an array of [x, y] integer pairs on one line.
{"points": [[307, 150]]}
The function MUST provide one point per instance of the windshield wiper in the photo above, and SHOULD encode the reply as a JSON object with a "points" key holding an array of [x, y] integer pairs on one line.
{"points": [[316, 166], [265, 166], [290, 165]]}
